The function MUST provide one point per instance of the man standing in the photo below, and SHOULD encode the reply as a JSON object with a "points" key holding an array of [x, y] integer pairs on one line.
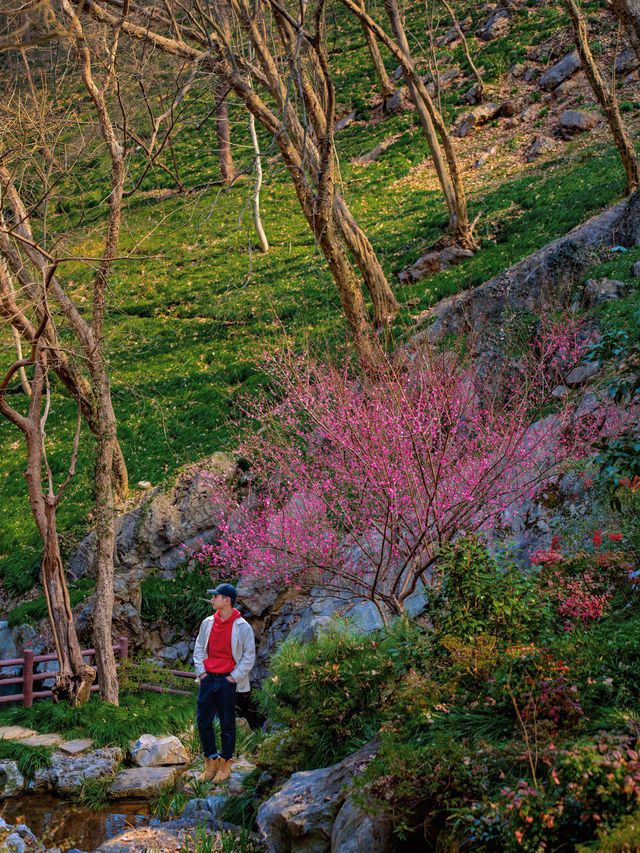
{"points": [[223, 657]]}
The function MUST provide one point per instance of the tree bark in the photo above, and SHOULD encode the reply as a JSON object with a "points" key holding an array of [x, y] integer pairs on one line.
{"points": [[225, 159], [255, 198], [449, 177], [606, 97], [628, 12], [74, 677], [385, 86]]}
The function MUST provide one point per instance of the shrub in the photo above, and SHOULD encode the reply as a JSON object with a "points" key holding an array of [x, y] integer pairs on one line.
{"points": [[181, 601]]}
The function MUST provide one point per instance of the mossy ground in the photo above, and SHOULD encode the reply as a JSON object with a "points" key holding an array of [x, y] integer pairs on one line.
{"points": [[190, 317]]}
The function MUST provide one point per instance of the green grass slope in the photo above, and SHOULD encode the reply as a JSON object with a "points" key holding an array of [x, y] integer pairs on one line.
{"points": [[190, 318]]}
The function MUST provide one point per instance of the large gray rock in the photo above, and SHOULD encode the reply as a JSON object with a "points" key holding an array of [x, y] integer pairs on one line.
{"points": [[498, 24], [576, 121], [67, 773], [13, 642], [20, 840], [151, 751], [478, 116], [541, 145], [301, 815], [142, 781], [12, 782], [355, 831], [560, 71], [605, 290], [626, 62], [434, 262]]}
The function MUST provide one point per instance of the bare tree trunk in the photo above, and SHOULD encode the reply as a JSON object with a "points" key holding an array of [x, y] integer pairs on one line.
{"points": [[225, 158], [391, 8], [606, 97], [227, 171], [449, 176], [628, 12], [385, 86], [255, 198], [74, 678]]}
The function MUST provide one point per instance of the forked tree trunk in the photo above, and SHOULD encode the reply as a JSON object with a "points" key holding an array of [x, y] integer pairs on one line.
{"points": [[74, 678], [606, 97], [628, 12]]}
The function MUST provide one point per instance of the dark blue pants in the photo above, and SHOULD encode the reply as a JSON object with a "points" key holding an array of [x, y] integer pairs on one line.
{"points": [[217, 695]]}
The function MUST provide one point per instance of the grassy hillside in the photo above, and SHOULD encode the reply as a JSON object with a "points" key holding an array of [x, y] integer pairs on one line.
{"points": [[189, 319]]}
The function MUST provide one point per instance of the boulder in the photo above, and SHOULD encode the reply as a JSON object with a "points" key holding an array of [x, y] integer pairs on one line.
{"points": [[626, 62], [540, 145], [498, 24], [433, 262], [565, 88], [12, 782], [301, 815], [581, 374], [602, 291], [151, 751], [560, 71], [445, 79], [477, 117], [20, 840], [67, 773], [355, 831], [452, 35], [142, 781], [576, 121], [176, 652]]}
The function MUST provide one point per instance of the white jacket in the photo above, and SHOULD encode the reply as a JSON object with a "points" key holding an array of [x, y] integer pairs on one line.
{"points": [[243, 650]]}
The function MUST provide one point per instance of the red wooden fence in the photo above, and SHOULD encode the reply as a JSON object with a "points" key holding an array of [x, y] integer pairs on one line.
{"points": [[29, 676]]}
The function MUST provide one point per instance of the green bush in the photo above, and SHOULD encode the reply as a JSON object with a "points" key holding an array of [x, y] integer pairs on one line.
{"points": [[328, 695], [28, 758]]}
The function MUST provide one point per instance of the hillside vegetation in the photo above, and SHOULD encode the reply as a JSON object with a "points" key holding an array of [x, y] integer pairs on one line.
{"points": [[190, 317]]}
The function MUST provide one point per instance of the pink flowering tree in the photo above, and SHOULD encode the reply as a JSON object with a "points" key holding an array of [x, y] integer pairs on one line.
{"points": [[357, 482]]}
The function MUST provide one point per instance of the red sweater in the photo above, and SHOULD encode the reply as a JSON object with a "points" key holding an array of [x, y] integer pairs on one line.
{"points": [[220, 658]]}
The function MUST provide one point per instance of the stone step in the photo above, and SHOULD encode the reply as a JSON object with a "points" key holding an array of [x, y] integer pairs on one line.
{"points": [[15, 733]]}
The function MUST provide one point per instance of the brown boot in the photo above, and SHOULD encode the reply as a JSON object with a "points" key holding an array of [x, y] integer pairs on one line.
{"points": [[211, 766], [224, 771]]}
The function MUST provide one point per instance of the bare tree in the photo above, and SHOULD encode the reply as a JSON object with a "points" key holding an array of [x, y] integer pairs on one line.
{"points": [[442, 149], [26, 256], [300, 121], [74, 677], [605, 95]]}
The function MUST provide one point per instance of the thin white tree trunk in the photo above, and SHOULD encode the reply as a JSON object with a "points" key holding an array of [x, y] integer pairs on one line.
{"points": [[264, 244]]}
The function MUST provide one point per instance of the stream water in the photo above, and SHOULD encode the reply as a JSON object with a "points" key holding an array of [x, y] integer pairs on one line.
{"points": [[55, 821]]}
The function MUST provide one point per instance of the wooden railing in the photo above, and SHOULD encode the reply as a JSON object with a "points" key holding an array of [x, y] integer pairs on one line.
{"points": [[29, 676]]}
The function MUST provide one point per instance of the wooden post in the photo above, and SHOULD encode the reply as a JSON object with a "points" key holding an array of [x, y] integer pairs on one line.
{"points": [[27, 678], [124, 647]]}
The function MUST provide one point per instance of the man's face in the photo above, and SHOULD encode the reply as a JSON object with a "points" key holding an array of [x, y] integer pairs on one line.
{"points": [[218, 601]]}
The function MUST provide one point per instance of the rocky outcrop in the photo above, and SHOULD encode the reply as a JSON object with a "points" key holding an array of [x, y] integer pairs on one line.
{"points": [[12, 782], [576, 121], [498, 24], [153, 536], [434, 262], [302, 814], [539, 280], [142, 781], [151, 751], [560, 71], [67, 774], [477, 117], [355, 831], [540, 145]]}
